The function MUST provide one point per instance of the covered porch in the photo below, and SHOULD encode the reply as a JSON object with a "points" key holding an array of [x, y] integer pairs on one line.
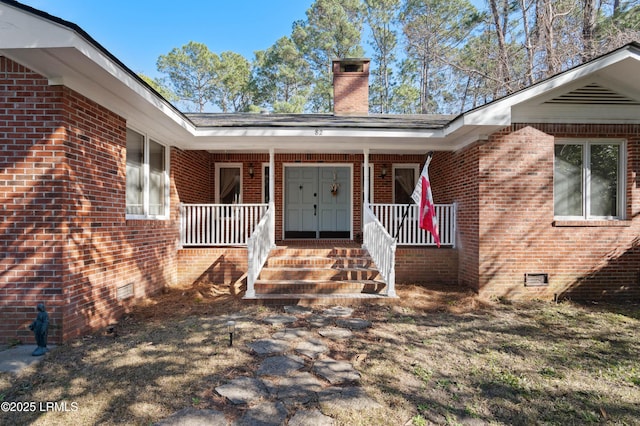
{"points": [[371, 241]]}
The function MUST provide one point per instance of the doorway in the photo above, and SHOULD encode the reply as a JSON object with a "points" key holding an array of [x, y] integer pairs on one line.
{"points": [[317, 202]]}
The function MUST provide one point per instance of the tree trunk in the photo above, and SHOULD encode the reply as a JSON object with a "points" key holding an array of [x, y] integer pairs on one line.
{"points": [[545, 27], [424, 86], [504, 70], [528, 45], [588, 29]]}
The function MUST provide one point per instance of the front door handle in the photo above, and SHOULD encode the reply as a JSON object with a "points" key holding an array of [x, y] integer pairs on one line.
{"points": [[315, 209]]}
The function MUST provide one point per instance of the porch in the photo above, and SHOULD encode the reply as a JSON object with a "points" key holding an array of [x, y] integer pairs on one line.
{"points": [[241, 238], [334, 189]]}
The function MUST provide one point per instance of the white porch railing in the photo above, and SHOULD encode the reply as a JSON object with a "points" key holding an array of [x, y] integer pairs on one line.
{"points": [[382, 248], [219, 224], [259, 245], [390, 215]]}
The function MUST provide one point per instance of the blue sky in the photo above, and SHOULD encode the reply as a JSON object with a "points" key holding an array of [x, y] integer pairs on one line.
{"points": [[138, 31]]}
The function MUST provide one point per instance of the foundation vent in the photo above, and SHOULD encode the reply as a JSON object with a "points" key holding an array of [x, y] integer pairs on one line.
{"points": [[536, 280], [125, 291]]}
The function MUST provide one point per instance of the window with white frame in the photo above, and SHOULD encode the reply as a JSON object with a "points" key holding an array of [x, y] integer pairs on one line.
{"points": [[588, 179], [147, 177], [404, 182], [229, 183]]}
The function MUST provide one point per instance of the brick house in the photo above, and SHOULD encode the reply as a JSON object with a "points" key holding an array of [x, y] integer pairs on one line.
{"points": [[110, 193]]}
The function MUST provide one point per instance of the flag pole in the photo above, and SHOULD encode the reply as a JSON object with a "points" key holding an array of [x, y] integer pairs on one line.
{"points": [[406, 209]]}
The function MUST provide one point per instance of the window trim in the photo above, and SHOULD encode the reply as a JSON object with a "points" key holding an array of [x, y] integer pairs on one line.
{"points": [[416, 174], [228, 166], [146, 180], [587, 143]]}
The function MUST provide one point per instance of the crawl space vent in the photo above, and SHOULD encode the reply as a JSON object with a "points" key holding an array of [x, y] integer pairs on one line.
{"points": [[536, 280], [125, 291]]}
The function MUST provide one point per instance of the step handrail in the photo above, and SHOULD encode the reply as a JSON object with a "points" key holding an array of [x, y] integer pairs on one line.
{"points": [[259, 245], [381, 247]]}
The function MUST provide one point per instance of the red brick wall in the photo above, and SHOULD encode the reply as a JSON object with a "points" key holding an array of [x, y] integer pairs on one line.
{"points": [[107, 251], [517, 232], [66, 241], [422, 265], [455, 179], [32, 167], [211, 266], [192, 174], [383, 187]]}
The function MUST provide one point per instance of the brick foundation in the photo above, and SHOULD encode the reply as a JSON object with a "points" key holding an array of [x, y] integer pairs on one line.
{"points": [[421, 265]]}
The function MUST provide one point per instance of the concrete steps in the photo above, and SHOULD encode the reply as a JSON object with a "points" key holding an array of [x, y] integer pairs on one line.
{"points": [[328, 275]]}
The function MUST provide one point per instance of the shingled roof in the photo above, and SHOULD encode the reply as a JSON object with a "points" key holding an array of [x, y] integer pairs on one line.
{"points": [[373, 121]]}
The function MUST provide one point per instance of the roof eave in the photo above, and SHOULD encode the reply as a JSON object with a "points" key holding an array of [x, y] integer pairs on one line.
{"points": [[498, 114], [66, 55]]}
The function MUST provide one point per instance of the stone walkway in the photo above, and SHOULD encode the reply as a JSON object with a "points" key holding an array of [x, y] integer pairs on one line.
{"points": [[296, 379]]}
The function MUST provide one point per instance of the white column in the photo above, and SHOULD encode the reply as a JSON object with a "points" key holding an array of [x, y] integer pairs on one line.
{"points": [[366, 177], [272, 193], [365, 187]]}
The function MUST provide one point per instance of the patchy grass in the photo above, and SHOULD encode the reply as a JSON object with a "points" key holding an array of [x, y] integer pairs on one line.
{"points": [[435, 357]]}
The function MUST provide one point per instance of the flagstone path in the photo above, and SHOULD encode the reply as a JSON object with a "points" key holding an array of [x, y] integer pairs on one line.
{"points": [[296, 379]]}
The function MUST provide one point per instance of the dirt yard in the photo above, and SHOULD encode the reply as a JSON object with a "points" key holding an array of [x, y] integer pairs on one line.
{"points": [[434, 357]]}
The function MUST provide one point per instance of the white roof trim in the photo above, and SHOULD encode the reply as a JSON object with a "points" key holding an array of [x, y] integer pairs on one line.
{"points": [[22, 31], [499, 112]]}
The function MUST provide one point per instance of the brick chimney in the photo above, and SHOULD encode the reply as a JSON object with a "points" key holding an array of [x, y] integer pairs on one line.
{"points": [[351, 86]]}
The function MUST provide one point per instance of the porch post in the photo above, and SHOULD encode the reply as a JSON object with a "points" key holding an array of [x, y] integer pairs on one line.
{"points": [[366, 177], [365, 186], [272, 194]]}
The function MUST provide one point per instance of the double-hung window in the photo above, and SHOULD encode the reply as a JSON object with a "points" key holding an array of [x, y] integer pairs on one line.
{"points": [[147, 177], [229, 183], [588, 181], [405, 177]]}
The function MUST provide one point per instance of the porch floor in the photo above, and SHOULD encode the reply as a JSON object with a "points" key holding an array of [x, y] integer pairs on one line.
{"points": [[308, 272], [318, 243]]}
